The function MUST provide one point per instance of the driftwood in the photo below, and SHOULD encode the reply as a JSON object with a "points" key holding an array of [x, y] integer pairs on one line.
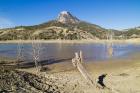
{"points": [[77, 62]]}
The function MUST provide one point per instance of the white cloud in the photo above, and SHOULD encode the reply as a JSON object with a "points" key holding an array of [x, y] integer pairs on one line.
{"points": [[5, 22]]}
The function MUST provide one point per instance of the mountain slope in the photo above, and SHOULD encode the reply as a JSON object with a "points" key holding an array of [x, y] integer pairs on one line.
{"points": [[66, 18], [132, 31], [65, 26]]}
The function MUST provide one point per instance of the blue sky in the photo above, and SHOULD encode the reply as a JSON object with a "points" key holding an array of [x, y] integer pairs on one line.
{"points": [[116, 14]]}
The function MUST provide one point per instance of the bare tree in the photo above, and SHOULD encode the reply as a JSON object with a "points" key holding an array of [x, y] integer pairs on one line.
{"points": [[110, 43], [19, 50], [36, 51]]}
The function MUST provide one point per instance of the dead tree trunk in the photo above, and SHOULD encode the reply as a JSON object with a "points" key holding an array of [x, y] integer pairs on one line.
{"points": [[36, 51], [110, 50], [77, 62], [19, 51], [110, 43], [81, 56]]}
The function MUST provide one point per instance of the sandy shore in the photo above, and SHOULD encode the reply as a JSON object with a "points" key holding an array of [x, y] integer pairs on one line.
{"points": [[72, 41], [123, 76]]}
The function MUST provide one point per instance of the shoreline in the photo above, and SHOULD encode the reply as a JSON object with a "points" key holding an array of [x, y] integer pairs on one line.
{"points": [[133, 41], [119, 73]]}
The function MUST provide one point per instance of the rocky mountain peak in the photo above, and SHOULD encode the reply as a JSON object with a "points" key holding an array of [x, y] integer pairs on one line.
{"points": [[67, 17]]}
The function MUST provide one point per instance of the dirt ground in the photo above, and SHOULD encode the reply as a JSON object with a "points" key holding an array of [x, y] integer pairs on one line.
{"points": [[123, 76]]}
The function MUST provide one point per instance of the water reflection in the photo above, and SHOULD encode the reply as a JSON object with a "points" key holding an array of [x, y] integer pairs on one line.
{"points": [[91, 52]]}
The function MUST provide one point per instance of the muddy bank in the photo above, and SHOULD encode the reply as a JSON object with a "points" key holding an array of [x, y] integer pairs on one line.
{"points": [[123, 76], [13, 81]]}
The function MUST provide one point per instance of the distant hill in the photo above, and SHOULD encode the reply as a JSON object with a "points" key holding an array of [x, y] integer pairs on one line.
{"points": [[132, 31], [65, 26]]}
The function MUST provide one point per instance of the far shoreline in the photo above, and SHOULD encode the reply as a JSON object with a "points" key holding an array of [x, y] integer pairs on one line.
{"points": [[135, 41]]}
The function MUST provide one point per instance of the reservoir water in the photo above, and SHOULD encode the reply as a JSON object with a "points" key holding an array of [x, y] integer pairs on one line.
{"points": [[91, 52]]}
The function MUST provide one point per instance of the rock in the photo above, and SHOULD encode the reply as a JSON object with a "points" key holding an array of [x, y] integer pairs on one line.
{"points": [[23, 82], [66, 17]]}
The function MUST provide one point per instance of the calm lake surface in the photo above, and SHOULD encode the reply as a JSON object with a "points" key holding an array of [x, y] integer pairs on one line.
{"points": [[91, 52]]}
